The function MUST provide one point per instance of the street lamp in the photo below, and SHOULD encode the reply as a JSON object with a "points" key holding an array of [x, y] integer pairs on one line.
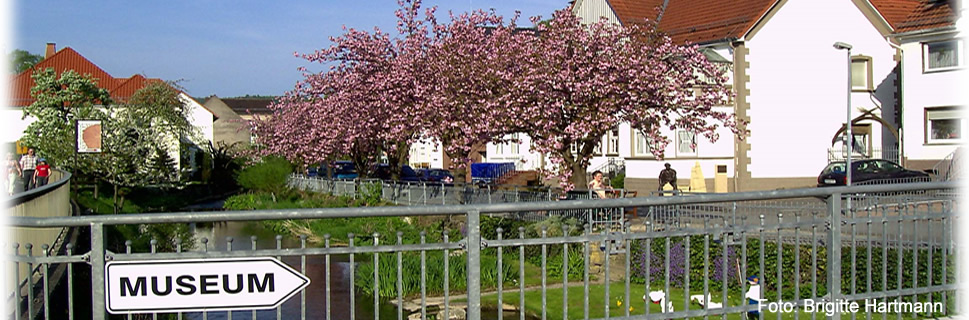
{"points": [[844, 46]]}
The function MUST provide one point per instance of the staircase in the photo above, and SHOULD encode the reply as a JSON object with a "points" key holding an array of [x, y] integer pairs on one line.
{"points": [[949, 168], [609, 169], [518, 178]]}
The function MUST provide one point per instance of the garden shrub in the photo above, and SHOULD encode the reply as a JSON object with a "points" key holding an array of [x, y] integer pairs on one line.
{"points": [[269, 175]]}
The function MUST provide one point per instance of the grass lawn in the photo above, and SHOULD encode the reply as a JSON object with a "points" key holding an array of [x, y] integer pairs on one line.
{"points": [[617, 303]]}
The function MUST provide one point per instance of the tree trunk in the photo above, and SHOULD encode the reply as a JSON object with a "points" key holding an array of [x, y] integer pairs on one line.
{"points": [[114, 199], [397, 159], [462, 174], [579, 178]]}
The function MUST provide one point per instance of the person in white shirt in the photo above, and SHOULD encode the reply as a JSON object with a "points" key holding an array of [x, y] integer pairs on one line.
{"points": [[27, 165]]}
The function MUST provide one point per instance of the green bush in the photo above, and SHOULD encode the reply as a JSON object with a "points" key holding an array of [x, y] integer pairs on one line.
{"points": [[269, 175], [619, 181], [411, 266]]}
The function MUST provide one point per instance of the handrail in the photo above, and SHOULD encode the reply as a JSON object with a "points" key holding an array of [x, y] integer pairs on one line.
{"points": [[320, 213], [22, 197]]}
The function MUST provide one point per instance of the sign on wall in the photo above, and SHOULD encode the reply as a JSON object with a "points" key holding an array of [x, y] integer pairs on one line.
{"points": [[89, 136], [199, 285]]}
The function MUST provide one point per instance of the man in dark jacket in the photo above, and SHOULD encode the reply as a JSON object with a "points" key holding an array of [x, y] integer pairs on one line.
{"points": [[668, 175]]}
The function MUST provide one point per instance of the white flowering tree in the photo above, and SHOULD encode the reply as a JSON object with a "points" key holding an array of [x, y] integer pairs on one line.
{"points": [[136, 135]]}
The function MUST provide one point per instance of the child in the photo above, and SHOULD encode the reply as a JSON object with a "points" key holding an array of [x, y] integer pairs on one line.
{"points": [[753, 296], [43, 172]]}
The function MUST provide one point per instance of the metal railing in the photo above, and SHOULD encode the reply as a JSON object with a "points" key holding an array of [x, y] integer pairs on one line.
{"points": [[880, 243], [429, 193], [949, 168], [838, 154]]}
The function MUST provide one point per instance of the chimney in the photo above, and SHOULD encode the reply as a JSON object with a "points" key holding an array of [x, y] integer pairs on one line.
{"points": [[51, 49]]}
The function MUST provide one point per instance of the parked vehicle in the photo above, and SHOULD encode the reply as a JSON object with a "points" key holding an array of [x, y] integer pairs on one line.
{"points": [[343, 170], [382, 171], [485, 173], [436, 175], [311, 172], [868, 171]]}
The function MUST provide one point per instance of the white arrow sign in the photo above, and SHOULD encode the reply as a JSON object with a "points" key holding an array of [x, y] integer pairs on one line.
{"points": [[199, 285]]}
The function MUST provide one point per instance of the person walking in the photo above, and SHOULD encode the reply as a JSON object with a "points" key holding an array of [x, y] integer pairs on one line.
{"points": [[12, 172], [667, 175], [42, 173], [27, 165]]}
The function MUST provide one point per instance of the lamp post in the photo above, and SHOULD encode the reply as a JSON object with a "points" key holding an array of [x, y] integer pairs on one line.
{"points": [[848, 135]]}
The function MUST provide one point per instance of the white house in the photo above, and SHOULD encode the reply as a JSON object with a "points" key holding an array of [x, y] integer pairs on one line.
{"points": [[933, 64], [790, 84], [120, 89], [426, 154]]}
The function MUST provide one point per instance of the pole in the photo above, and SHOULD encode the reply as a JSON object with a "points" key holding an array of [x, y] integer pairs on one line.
{"points": [[850, 137]]}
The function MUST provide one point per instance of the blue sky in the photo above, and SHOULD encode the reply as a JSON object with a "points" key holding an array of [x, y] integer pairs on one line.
{"points": [[224, 48]]}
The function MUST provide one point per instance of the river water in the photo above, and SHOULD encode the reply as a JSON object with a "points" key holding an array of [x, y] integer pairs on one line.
{"points": [[315, 306]]}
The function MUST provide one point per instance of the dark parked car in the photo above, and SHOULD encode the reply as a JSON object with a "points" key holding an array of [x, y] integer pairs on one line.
{"points": [[311, 172], [343, 170], [436, 175], [868, 171], [382, 171]]}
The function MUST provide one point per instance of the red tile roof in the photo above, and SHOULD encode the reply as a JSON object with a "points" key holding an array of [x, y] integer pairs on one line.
{"points": [[68, 59], [895, 11], [635, 11], [700, 21], [696, 21], [929, 14]]}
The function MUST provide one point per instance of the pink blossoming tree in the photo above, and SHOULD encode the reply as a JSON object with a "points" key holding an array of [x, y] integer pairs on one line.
{"points": [[475, 62], [582, 80], [477, 79]]}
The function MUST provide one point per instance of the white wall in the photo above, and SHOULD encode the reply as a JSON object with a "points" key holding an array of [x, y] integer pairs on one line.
{"points": [[524, 158], [928, 89], [708, 154], [590, 11], [426, 151], [200, 118], [798, 84], [13, 125]]}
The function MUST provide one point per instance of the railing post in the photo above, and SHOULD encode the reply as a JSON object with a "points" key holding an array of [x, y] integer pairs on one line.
{"points": [[834, 251], [97, 271], [474, 265]]}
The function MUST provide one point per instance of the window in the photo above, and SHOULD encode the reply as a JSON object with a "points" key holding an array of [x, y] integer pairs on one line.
{"points": [[685, 143], [612, 142], [861, 73], [943, 125], [640, 146], [943, 55], [888, 167], [515, 143]]}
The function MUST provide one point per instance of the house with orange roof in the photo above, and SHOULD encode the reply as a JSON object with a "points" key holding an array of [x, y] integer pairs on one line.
{"points": [[932, 65], [792, 86], [120, 89]]}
